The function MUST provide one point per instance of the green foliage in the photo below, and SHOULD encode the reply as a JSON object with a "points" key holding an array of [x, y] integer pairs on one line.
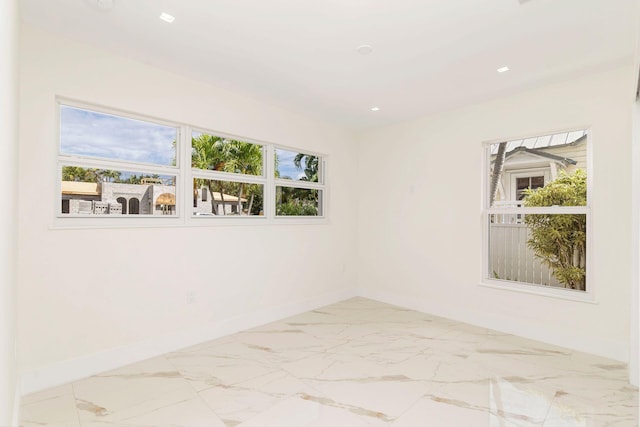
{"points": [[135, 179], [560, 240], [296, 201], [79, 174], [298, 207], [292, 201], [310, 166], [210, 152]]}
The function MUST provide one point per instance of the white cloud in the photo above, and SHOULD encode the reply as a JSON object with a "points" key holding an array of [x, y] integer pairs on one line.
{"points": [[101, 135]]}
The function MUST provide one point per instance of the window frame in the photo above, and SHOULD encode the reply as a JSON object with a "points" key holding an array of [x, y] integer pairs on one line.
{"points": [[586, 296], [308, 185], [184, 175], [62, 159], [195, 173], [534, 173]]}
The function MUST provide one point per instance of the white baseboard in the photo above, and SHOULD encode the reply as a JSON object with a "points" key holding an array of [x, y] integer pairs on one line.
{"points": [[92, 364], [82, 367], [510, 325]]}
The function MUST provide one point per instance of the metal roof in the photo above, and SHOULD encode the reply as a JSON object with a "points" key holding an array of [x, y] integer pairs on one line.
{"points": [[544, 141]]}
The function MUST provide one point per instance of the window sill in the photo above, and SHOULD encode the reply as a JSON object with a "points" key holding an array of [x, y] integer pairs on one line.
{"points": [[84, 223], [540, 290]]}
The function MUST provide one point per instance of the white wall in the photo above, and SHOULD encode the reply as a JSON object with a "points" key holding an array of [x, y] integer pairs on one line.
{"points": [[634, 351], [8, 217], [420, 225], [92, 299]]}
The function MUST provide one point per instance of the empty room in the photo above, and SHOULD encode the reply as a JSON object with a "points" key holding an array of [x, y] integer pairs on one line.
{"points": [[338, 213]]}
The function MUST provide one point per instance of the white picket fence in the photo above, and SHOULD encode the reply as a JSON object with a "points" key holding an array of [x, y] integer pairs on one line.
{"points": [[511, 259]]}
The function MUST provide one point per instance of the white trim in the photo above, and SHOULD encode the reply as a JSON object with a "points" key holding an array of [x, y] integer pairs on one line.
{"points": [[558, 210], [541, 290], [634, 329], [74, 369], [298, 184]]}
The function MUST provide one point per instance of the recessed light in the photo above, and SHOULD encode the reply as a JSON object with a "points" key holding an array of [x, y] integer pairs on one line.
{"points": [[375, 108], [167, 18], [502, 69], [364, 49]]}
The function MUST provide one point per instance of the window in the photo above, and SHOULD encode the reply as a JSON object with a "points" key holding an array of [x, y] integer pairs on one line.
{"points": [[299, 183], [537, 214], [114, 165], [230, 175], [527, 183]]}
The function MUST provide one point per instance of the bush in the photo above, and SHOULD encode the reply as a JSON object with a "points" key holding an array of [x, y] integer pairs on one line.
{"points": [[560, 240], [298, 207]]}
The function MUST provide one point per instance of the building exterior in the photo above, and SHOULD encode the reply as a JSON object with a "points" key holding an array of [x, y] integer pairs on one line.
{"points": [[534, 162], [150, 197]]}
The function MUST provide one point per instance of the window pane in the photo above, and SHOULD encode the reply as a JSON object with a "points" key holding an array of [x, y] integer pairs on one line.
{"points": [[297, 166], [89, 191], [210, 152], [527, 183], [518, 172], [212, 197], [90, 133], [298, 202], [541, 249]]}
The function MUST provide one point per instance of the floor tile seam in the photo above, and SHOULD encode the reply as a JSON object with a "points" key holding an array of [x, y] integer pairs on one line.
{"points": [[41, 401], [173, 389], [546, 416], [75, 404], [156, 409], [208, 406], [234, 384], [139, 402], [182, 374], [408, 408]]}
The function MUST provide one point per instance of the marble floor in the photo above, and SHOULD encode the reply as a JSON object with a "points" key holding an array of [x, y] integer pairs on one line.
{"points": [[356, 363]]}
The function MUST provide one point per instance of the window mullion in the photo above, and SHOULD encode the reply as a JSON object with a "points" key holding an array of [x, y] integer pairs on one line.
{"points": [[185, 174], [270, 188]]}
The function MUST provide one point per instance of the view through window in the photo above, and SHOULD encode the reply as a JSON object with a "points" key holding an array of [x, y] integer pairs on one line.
{"points": [[113, 165], [119, 165], [537, 211]]}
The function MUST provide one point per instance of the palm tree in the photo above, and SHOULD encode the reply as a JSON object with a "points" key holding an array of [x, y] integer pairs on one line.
{"points": [[498, 168], [244, 158], [209, 152], [311, 164], [80, 174], [109, 175]]}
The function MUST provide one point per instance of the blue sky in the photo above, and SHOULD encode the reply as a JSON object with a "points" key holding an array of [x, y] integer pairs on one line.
{"points": [[90, 133], [286, 166]]}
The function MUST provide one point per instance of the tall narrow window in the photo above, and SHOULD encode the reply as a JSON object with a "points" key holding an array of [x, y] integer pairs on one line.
{"points": [[537, 212]]}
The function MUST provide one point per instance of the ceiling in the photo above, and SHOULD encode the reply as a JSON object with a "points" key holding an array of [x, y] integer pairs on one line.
{"points": [[428, 55]]}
